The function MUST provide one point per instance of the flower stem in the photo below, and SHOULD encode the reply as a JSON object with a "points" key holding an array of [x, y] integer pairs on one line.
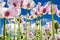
{"points": [[4, 29], [36, 30], [53, 28], [14, 28], [10, 28], [41, 28], [25, 38], [19, 29]]}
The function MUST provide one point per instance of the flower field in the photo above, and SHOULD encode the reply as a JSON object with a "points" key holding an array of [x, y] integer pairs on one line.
{"points": [[31, 25]]}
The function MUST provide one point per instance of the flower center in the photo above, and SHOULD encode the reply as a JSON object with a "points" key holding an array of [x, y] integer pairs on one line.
{"points": [[44, 10], [59, 14], [30, 34], [31, 16], [21, 4], [7, 13], [58, 38], [36, 13], [14, 4], [28, 5]]}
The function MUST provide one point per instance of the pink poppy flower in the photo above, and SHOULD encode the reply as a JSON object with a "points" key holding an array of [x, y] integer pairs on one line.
{"points": [[11, 12], [58, 13], [36, 10], [7, 28], [45, 8], [57, 37], [13, 3], [54, 7], [34, 13], [28, 4], [22, 3], [30, 17], [2, 13], [30, 35], [49, 25], [21, 20], [40, 10]]}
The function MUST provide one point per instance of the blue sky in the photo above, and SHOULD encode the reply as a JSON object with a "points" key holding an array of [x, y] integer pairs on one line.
{"points": [[45, 16]]}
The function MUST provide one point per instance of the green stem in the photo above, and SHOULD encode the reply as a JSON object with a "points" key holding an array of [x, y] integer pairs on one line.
{"points": [[14, 28], [53, 28], [41, 28], [25, 37], [10, 28], [26, 23], [19, 30], [4, 29], [36, 31]]}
